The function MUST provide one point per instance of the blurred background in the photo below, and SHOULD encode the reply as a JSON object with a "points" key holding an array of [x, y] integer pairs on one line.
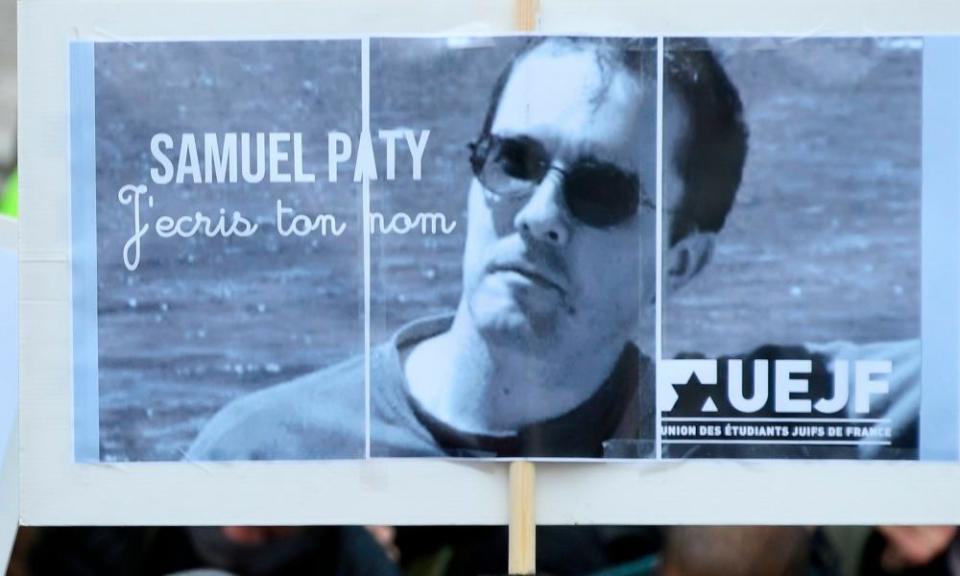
{"points": [[823, 241], [8, 89], [8, 264]]}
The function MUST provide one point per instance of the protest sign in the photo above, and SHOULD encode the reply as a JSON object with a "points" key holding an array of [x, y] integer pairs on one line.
{"points": [[455, 247]]}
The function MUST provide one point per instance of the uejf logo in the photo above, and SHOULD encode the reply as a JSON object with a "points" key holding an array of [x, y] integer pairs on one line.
{"points": [[789, 392]]}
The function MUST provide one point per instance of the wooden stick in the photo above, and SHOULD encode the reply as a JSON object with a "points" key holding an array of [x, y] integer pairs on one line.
{"points": [[523, 528], [527, 11]]}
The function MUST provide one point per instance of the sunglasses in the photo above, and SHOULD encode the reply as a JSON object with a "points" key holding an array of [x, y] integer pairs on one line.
{"points": [[598, 194]]}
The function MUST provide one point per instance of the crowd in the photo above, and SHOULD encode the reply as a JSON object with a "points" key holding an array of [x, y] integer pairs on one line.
{"points": [[438, 551]]}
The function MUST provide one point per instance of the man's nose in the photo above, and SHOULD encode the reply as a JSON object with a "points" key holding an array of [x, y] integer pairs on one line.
{"points": [[544, 216]]}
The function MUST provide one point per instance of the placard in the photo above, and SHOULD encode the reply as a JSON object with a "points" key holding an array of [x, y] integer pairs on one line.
{"points": [[634, 321]]}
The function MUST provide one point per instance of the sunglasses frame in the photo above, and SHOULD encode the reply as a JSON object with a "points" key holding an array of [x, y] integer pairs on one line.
{"points": [[481, 148]]}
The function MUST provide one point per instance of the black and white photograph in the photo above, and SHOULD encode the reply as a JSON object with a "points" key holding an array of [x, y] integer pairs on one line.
{"points": [[791, 248], [527, 330], [513, 249], [228, 260]]}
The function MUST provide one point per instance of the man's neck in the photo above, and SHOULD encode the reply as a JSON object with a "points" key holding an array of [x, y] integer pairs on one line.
{"points": [[459, 379]]}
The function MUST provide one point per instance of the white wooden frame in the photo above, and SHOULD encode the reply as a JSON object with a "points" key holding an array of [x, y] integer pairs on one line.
{"points": [[56, 491]]}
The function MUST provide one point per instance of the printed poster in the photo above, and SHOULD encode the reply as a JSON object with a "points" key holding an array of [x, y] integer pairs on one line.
{"points": [[510, 247]]}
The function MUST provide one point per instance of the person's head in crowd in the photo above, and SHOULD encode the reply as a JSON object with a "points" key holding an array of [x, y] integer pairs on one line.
{"points": [[736, 550]]}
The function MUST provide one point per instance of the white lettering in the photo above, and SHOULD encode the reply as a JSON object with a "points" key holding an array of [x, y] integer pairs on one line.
{"points": [[402, 223], [390, 137], [761, 385], [127, 195], [166, 141], [220, 162], [189, 162], [302, 225], [298, 173], [366, 165], [249, 175], [277, 156], [339, 145], [866, 386], [841, 390], [787, 386], [417, 147]]}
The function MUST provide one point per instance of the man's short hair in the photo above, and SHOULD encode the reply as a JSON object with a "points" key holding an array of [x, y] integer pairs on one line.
{"points": [[709, 158]]}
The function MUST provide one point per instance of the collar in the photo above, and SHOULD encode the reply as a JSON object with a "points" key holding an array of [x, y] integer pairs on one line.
{"points": [[580, 433]]}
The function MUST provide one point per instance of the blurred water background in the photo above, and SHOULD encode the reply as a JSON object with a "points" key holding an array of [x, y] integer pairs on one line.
{"points": [[823, 242], [204, 320]]}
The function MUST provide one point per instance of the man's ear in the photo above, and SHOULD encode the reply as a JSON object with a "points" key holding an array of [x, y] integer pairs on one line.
{"points": [[685, 259]]}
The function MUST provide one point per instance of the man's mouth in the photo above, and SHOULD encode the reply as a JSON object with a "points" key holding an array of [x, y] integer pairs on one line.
{"points": [[530, 273]]}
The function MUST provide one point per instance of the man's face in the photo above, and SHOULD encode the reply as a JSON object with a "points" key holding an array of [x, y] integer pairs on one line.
{"points": [[538, 277]]}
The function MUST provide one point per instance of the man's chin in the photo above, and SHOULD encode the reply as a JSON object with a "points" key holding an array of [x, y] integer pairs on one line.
{"points": [[503, 321]]}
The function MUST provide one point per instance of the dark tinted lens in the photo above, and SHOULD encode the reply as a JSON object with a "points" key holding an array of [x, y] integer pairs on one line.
{"points": [[600, 194], [597, 194], [520, 158]]}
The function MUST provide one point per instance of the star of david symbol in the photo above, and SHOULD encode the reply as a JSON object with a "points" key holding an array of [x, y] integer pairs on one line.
{"points": [[694, 397]]}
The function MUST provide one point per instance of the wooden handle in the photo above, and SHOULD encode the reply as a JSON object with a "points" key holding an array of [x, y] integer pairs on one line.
{"points": [[527, 11], [523, 528]]}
